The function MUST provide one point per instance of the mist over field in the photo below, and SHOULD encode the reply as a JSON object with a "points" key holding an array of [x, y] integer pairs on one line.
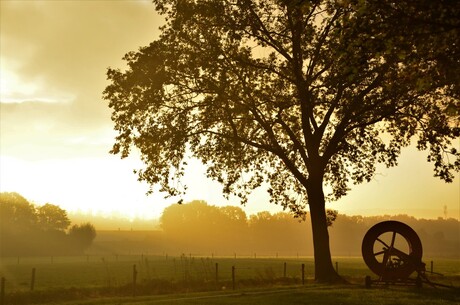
{"points": [[204, 229], [197, 227], [192, 247]]}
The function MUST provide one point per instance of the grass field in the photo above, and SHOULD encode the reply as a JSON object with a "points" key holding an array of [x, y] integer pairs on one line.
{"points": [[313, 294], [184, 279]]}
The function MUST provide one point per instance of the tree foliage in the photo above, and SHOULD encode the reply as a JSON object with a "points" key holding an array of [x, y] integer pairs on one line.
{"points": [[27, 229], [268, 234], [294, 94], [82, 236], [52, 217]]}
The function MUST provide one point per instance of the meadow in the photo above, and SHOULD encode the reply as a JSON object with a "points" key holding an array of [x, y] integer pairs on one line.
{"points": [[162, 278]]}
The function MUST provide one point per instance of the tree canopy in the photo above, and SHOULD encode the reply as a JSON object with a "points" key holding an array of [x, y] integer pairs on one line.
{"points": [[27, 229], [295, 94], [52, 217]]}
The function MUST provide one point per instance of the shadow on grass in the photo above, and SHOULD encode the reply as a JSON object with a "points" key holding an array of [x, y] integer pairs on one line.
{"points": [[146, 288]]}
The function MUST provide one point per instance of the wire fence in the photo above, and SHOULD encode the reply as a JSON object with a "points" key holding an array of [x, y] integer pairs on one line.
{"points": [[137, 274]]}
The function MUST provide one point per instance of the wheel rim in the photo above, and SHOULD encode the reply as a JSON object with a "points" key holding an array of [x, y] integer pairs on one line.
{"points": [[392, 250]]}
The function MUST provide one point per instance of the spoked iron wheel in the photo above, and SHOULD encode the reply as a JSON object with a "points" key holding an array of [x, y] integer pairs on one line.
{"points": [[392, 250]]}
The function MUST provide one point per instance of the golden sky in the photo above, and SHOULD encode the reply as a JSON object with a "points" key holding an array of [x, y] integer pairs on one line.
{"points": [[55, 129]]}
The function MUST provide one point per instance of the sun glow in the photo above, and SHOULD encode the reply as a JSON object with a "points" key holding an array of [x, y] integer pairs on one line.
{"points": [[88, 185]]}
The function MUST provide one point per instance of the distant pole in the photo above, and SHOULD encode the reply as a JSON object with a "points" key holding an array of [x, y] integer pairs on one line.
{"points": [[303, 274], [337, 267], [175, 267], [284, 272], [233, 277], [2, 291], [134, 279], [217, 272], [32, 280], [431, 267]]}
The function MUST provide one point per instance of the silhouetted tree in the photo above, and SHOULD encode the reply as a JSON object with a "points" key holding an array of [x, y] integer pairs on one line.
{"points": [[26, 229], [82, 236], [17, 223], [197, 225], [296, 94], [16, 211], [52, 217]]}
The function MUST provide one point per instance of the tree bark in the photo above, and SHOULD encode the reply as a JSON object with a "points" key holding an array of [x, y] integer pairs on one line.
{"points": [[324, 269]]}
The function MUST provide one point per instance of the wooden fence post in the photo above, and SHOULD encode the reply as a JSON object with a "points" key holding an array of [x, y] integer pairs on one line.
{"points": [[32, 280], [233, 277], [303, 274], [134, 279], [2, 291], [217, 272], [284, 272], [431, 267], [337, 267]]}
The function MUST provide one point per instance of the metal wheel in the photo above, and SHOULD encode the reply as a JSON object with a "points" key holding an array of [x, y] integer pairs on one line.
{"points": [[392, 250]]}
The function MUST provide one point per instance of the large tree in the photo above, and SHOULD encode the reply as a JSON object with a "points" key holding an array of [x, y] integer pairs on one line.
{"points": [[305, 96]]}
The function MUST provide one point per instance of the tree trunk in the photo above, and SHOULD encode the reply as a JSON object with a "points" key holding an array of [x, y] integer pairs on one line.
{"points": [[324, 269]]}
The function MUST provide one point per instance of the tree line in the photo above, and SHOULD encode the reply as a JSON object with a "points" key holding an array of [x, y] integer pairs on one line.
{"points": [[28, 229], [201, 228]]}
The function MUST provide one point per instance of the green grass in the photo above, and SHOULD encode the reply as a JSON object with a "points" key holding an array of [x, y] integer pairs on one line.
{"points": [[185, 280], [312, 294]]}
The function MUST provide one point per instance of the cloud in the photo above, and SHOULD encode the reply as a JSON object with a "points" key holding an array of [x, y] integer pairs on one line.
{"points": [[71, 43], [54, 55], [37, 131]]}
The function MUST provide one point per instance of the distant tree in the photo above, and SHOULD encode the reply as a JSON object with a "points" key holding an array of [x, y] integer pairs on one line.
{"points": [[191, 223], [82, 236], [26, 229], [16, 210], [17, 224], [296, 94], [197, 225], [233, 213], [52, 217]]}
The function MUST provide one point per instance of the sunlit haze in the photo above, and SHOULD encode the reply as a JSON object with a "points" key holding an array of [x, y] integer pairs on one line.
{"points": [[56, 132]]}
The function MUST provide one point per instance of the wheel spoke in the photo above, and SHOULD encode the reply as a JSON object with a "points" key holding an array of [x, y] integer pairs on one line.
{"points": [[386, 257], [384, 243], [393, 239], [380, 252]]}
